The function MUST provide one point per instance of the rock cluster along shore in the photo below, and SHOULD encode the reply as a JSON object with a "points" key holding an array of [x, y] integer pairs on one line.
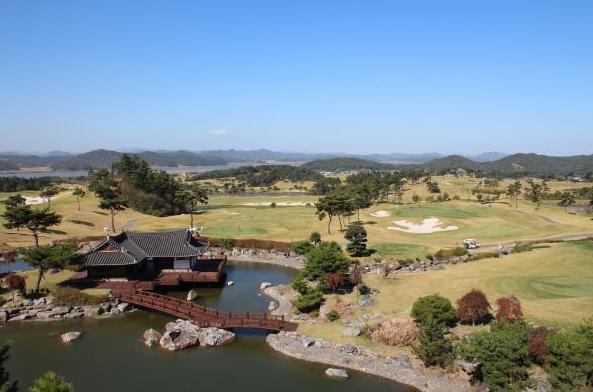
{"points": [[401, 368], [43, 309], [428, 264], [267, 256], [182, 334]]}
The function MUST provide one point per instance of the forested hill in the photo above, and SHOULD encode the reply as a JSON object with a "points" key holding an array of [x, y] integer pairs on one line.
{"points": [[104, 158], [346, 164], [7, 165], [263, 175], [518, 164]]}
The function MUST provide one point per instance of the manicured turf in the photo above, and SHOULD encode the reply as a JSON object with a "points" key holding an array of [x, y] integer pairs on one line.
{"points": [[228, 216], [554, 284]]}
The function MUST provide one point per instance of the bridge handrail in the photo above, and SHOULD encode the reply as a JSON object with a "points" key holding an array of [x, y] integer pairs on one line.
{"points": [[189, 308]]}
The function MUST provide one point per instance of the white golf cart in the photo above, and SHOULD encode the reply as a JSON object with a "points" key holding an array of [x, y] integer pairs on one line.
{"points": [[470, 244]]}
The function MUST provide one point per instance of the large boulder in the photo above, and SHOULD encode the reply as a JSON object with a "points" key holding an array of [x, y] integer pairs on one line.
{"points": [[366, 300], [191, 295], [70, 336], [338, 373], [55, 312], [265, 285], [273, 305], [210, 337], [179, 335], [151, 337], [92, 310], [123, 306], [351, 331]]}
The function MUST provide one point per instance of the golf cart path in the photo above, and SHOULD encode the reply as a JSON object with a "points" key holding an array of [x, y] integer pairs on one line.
{"points": [[564, 237]]}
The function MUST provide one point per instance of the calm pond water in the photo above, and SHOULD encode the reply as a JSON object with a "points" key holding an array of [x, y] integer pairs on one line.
{"points": [[112, 357]]}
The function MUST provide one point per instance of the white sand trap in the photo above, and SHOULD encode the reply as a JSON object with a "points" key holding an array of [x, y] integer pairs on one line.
{"points": [[279, 204], [31, 200], [428, 225], [381, 214], [229, 212]]}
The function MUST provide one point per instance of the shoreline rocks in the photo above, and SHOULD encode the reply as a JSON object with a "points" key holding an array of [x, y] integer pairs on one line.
{"points": [[347, 356], [69, 337], [182, 334], [151, 337], [337, 373], [37, 310]]}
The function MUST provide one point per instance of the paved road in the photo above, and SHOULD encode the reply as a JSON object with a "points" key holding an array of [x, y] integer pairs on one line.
{"points": [[568, 237]]}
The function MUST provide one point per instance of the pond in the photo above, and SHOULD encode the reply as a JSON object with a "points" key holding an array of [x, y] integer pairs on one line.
{"points": [[112, 357]]}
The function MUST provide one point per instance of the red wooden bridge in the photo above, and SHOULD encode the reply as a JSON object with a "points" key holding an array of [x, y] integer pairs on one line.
{"points": [[203, 316]]}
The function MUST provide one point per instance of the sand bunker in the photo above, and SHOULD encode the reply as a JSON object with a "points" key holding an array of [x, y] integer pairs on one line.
{"points": [[31, 200], [229, 212], [381, 214], [428, 225], [279, 204]]}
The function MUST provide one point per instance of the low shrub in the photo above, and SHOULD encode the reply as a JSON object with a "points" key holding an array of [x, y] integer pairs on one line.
{"points": [[69, 296], [448, 253], [396, 332], [521, 247], [485, 255], [569, 362], [434, 349], [434, 307], [301, 247], [332, 316], [300, 285], [308, 302], [502, 353], [250, 243]]}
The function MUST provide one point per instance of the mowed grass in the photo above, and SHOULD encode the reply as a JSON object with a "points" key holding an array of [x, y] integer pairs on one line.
{"points": [[228, 216], [555, 284]]}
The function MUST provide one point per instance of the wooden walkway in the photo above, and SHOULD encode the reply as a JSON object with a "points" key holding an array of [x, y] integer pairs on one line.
{"points": [[203, 316]]}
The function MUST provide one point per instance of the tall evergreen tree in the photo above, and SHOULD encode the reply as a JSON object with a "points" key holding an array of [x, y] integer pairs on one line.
{"points": [[357, 237]]}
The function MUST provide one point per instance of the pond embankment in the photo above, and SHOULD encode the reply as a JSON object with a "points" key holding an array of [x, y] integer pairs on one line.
{"points": [[400, 368]]}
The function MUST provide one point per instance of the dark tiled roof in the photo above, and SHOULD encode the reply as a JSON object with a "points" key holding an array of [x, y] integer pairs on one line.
{"points": [[166, 244], [108, 258], [132, 248]]}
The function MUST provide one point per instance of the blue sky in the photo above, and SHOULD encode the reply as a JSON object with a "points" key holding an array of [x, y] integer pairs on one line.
{"points": [[342, 76]]}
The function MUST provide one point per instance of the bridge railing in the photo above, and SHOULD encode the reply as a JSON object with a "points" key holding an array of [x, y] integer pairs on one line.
{"points": [[190, 309]]}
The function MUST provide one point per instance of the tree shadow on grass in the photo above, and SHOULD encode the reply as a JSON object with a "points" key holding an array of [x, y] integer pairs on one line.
{"points": [[101, 213], [54, 231], [81, 222]]}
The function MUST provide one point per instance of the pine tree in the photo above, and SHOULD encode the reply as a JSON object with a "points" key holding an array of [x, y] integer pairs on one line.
{"points": [[357, 236]]}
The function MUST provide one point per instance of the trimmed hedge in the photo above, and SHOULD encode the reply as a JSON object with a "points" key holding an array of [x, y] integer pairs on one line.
{"points": [[252, 243]]}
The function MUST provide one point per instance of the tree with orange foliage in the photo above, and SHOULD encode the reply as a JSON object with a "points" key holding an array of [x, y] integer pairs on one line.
{"points": [[355, 275], [473, 307], [537, 343], [509, 309], [15, 282], [334, 280]]}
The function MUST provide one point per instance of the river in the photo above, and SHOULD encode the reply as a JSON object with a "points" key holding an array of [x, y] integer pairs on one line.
{"points": [[111, 356], [168, 169]]}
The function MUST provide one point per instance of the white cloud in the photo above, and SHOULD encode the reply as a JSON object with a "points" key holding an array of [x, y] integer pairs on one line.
{"points": [[220, 132]]}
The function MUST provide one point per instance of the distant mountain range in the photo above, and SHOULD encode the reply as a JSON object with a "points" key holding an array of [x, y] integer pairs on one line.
{"points": [[489, 162], [104, 158], [522, 164]]}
